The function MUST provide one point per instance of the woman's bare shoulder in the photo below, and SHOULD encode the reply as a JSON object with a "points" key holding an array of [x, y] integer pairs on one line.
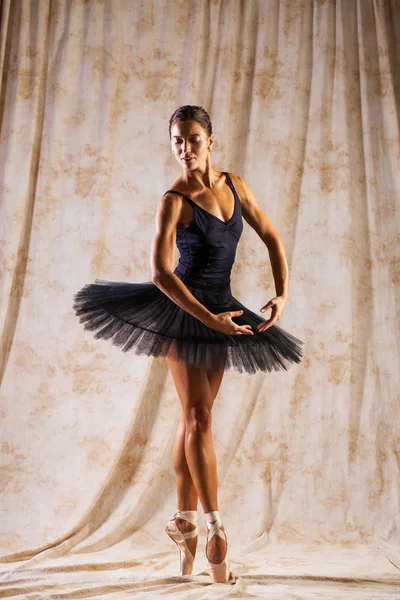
{"points": [[170, 203], [235, 177], [172, 208], [240, 185]]}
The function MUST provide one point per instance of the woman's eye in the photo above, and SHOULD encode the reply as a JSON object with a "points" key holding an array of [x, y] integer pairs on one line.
{"points": [[180, 141]]}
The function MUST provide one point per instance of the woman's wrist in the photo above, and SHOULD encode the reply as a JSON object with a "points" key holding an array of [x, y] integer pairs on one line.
{"points": [[209, 319]]}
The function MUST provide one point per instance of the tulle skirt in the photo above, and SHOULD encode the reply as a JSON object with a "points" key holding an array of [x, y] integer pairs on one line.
{"points": [[141, 318]]}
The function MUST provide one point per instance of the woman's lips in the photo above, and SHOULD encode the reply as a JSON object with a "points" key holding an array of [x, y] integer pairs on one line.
{"points": [[188, 159]]}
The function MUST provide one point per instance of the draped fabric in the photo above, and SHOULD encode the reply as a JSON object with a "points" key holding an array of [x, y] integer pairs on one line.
{"points": [[304, 101]]}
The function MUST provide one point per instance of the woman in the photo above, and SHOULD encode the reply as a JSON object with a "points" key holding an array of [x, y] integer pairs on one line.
{"points": [[189, 316]]}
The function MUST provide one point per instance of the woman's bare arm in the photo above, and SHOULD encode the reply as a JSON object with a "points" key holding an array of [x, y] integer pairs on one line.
{"points": [[262, 225], [162, 249], [167, 218]]}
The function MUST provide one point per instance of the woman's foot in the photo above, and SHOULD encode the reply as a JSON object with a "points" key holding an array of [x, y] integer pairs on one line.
{"points": [[184, 526], [216, 549], [182, 529]]}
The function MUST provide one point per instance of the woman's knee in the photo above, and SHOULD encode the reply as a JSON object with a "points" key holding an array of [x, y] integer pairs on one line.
{"points": [[198, 418]]}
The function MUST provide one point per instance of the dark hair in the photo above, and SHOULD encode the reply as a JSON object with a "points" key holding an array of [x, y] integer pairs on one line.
{"points": [[188, 112]]}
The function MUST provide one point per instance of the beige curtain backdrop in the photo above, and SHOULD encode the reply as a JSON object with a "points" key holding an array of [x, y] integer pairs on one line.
{"points": [[304, 100]]}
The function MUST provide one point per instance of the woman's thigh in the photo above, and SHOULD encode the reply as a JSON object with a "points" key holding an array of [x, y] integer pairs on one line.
{"points": [[195, 386], [215, 379]]}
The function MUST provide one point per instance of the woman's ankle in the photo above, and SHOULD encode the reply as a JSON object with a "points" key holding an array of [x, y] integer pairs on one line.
{"points": [[213, 516]]}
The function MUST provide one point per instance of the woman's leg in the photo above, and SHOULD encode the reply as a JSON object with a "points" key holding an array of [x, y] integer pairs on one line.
{"points": [[186, 490], [194, 458]]}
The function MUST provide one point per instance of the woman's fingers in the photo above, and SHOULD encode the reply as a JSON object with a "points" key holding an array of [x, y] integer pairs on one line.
{"points": [[244, 329]]}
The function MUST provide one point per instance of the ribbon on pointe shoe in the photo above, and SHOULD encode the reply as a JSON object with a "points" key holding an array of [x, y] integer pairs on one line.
{"points": [[214, 528], [191, 516]]}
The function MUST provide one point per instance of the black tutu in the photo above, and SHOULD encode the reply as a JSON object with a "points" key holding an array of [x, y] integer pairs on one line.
{"points": [[141, 318]]}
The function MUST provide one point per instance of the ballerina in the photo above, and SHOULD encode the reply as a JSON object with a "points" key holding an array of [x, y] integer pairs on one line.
{"points": [[189, 316]]}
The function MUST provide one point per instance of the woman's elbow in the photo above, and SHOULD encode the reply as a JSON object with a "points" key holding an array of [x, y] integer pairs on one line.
{"points": [[159, 275], [155, 276]]}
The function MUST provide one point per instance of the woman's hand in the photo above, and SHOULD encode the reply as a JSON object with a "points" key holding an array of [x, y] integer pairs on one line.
{"points": [[277, 305], [223, 323]]}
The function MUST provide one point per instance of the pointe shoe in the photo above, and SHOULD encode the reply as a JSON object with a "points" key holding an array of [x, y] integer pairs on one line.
{"points": [[219, 572], [186, 557]]}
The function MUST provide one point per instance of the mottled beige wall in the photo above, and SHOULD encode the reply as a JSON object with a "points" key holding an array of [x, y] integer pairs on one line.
{"points": [[304, 100]]}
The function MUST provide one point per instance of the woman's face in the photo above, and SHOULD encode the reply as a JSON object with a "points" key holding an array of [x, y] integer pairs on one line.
{"points": [[190, 140]]}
